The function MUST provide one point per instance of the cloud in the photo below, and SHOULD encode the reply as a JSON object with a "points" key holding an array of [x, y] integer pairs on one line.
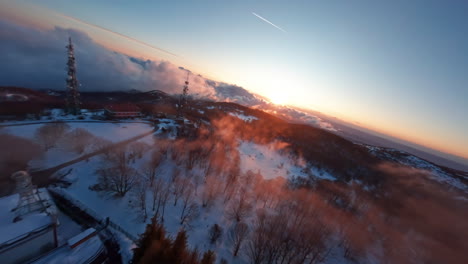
{"points": [[234, 93], [37, 59]]}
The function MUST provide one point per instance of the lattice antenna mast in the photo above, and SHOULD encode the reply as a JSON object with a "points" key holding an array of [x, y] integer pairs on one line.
{"points": [[29, 200], [183, 100], [73, 95]]}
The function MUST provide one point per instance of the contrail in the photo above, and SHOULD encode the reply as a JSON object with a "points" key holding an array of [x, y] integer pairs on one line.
{"points": [[117, 33], [266, 20]]}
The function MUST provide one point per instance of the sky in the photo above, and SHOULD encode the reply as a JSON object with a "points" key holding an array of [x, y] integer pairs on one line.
{"points": [[396, 67]]}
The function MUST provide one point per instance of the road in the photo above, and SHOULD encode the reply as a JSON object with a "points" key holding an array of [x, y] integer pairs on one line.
{"points": [[41, 178]]}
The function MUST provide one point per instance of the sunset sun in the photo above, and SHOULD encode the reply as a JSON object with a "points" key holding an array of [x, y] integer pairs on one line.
{"points": [[278, 98]]}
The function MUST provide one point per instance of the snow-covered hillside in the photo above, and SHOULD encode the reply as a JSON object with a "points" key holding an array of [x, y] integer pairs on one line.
{"points": [[270, 161], [233, 167]]}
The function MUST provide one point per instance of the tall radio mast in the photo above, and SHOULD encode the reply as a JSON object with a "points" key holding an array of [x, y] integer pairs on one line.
{"points": [[183, 100], [73, 96]]}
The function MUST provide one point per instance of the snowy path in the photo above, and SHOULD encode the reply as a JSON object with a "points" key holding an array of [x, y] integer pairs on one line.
{"points": [[41, 178]]}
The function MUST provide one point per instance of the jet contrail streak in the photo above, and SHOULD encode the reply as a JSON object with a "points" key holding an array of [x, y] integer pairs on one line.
{"points": [[116, 33], [266, 20]]}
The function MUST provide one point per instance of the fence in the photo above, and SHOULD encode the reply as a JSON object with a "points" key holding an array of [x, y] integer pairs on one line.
{"points": [[98, 218], [121, 230]]}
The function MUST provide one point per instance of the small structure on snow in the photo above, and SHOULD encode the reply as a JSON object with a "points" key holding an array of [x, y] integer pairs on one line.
{"points": [[122, 110]]}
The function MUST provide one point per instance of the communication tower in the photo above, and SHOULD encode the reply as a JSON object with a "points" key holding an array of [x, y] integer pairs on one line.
{"points": [[29, 200], [73, 96]]}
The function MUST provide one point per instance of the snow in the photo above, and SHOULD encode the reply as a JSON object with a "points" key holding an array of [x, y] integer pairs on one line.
{"points": [[72, 241], [111, 131], [321, 174], [246, 118], [169, 126], [126, 247], [123, 211], [271, 160], [10, 231], [118, 210], [267, 160], [13, 97]]}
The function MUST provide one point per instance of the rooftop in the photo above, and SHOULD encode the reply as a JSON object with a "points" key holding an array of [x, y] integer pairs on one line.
{"points": [[83, 253]]}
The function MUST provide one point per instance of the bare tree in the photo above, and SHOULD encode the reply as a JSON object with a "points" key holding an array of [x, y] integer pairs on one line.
{"points": [[164, 198], [151, 166], [210, 191], [257, 245], [118, 176], [189, 213], [49, 134], [136, 149], [140, 196], [240, 206], [180, 185], [232, 175], [237, 236], [196, 153], [189, 208], [161, 193], [117, 180], [215, 233], [229, 193], [156, 190], [301, 238]]}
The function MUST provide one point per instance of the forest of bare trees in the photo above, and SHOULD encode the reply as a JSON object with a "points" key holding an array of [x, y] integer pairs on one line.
{"points": [[263, 220]]}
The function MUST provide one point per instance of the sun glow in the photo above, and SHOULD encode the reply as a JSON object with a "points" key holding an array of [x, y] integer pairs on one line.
{"points": [[278, 98], [275, 84]]}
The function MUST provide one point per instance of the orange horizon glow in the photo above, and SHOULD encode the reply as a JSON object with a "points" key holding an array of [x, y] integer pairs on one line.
{"points": [[416, 138]]}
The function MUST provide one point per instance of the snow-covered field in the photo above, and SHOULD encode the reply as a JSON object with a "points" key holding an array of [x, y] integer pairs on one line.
{"points": [[113, 132], [110, 131]]}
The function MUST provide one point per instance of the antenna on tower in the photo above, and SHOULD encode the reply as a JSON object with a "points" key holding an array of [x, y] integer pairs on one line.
{"points": [[73, 96], [29, 200], [183, 99]]}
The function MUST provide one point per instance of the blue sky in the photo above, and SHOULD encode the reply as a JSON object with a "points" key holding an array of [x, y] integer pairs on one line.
{"points": [[398, 67]]}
